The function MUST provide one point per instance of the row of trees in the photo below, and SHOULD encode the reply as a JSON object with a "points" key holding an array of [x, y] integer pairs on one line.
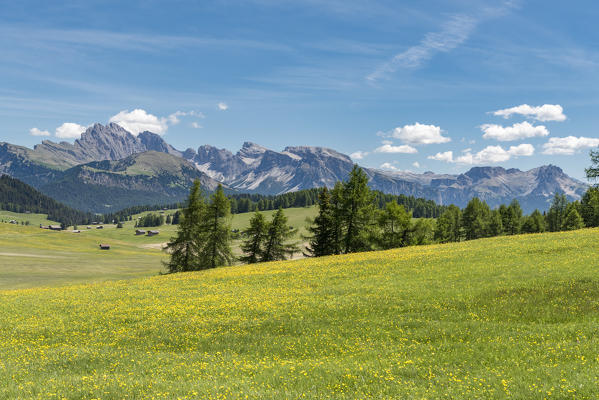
{"points": [[350, 220], [203, 239], [150, 220]]}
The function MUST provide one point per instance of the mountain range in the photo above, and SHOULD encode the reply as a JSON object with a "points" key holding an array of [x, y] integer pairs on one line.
{"points": [[109, 168]]}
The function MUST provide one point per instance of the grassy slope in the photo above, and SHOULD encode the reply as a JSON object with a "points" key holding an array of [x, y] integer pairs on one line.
{"points": [[32, 257], [508, 317], [34, 219]]}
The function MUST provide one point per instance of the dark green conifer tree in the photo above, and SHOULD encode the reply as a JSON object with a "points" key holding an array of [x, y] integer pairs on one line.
{"points": [[322, 230], [216, 229], [276, 245], [358, 211], [255, 235], [185, 248]]}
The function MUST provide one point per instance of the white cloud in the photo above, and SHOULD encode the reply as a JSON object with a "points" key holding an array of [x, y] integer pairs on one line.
{"points": [[69, 130], [522, 150], [495, 154], [488, 155], [446, 156], [222, 106], [388, 148], [569, 145], [195, 125], [546, 112], [416, 164], [418, 134], [38, 132], [388, 166], [358, 155], [517, 131], [139, 120]]}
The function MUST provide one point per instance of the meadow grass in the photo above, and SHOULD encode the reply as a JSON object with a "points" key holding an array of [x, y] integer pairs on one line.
{"points": [[507, 317], [32, 257], [34, 219]]}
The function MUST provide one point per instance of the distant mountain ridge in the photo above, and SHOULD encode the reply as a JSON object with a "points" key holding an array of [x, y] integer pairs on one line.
{"points": [[257, 169], [51, 166]]}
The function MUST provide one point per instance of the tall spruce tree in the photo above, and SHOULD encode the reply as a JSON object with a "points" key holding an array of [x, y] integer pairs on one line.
{"points": [[358, 211], [276, 246], [255, 235], [217, 231], [186, 246], [322, 230]]}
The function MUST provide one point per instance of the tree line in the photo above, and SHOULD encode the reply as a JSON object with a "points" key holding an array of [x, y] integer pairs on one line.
{"points": [[350, 220], [250, 202], [203, 239]]}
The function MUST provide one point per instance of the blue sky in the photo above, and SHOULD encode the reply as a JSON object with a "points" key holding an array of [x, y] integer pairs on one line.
{"points": [[434, 85]]}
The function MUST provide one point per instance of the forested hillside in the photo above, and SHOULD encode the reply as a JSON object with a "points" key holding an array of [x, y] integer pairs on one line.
{"points": [[19, 197]]}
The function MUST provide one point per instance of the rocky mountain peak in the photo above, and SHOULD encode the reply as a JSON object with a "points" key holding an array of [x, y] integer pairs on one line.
{"points": [[252, 150]]}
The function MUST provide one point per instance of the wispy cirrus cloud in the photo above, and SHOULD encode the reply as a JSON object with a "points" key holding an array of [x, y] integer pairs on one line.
{"points": [[452, 33]]}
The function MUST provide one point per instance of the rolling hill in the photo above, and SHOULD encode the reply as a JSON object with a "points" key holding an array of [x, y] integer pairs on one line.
{"points": [[507, 317], [143, 178]]}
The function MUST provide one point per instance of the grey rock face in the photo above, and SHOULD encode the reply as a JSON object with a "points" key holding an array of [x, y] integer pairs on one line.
{"points": [[104, 142], [257, 169]]}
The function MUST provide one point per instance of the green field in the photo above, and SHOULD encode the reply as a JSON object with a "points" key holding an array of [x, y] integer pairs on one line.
{"points": [[34, 219], [33, 257], [506, 317]]}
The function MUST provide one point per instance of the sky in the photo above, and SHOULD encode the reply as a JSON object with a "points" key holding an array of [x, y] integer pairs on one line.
{"points": [[411, 85]]}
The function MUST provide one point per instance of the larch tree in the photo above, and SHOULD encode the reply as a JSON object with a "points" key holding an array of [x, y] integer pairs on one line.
{"points": [[276, 246], [395, 223]]}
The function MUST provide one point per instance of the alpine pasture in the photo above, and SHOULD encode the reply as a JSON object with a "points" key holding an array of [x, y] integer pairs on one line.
{"points": [[33, 257], [505, 317]]}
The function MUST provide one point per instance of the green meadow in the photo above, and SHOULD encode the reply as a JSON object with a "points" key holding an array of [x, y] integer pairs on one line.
{"points": [[505, 318], [33, 257]]}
